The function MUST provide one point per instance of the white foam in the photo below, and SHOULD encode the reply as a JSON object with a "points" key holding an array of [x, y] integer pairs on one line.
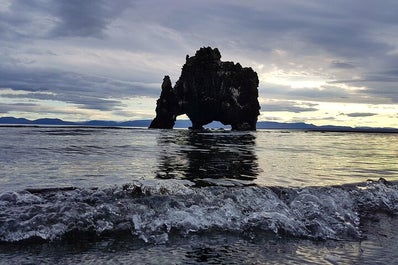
{"points": [[152, 209]]}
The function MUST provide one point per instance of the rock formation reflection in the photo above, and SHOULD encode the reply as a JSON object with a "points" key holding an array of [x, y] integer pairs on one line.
{"points": [[208, 157]]}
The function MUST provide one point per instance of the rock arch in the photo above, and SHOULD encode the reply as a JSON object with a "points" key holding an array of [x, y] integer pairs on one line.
{"points": [[210, 90]]}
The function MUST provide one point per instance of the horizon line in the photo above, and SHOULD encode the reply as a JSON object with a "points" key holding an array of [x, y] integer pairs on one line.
{"points": [[13, 121]]}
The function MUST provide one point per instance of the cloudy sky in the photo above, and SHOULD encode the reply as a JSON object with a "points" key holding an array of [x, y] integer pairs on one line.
{"points": [[318, 61]]}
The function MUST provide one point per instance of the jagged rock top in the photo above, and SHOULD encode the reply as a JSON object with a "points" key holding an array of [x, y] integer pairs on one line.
{"points": [[206, 54]]}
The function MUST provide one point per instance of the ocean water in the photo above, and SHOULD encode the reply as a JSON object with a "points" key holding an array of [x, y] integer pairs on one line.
{"points": [[72, 195]]}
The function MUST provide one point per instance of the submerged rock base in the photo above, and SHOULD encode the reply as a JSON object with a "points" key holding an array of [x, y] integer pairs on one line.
{"points": [[210, 90]]}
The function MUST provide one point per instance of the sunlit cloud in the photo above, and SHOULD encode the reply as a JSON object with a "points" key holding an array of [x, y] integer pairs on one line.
{"points": [[293, 80]]}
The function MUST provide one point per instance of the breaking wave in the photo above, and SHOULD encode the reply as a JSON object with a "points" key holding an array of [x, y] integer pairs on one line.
{"points": [[152, 210]]}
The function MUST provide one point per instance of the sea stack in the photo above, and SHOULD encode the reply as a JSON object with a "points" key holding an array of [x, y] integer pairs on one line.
{"points": [[210, 90]]}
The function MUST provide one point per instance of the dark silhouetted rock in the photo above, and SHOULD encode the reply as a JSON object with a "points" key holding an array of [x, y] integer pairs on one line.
{"points": [[210, 90]]}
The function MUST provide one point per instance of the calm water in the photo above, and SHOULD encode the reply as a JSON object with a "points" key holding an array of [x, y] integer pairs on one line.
{"points": [[97, 195]]}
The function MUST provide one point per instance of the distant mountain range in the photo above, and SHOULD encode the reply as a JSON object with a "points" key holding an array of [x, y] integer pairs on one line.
{"points": [[59, 122], [186, 123]]}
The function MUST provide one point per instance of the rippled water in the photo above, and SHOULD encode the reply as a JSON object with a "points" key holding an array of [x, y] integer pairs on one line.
{"points": [[94, 157], [102, 195]]}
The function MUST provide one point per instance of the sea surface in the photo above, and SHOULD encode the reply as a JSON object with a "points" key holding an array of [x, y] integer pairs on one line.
{"points": [[74, 195]]}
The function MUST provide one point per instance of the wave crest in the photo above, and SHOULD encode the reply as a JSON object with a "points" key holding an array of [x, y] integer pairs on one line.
{"points": [[154, 209]]}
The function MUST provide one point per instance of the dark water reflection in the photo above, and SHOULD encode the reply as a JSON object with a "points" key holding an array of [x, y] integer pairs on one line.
{"points": [[206, 157]]}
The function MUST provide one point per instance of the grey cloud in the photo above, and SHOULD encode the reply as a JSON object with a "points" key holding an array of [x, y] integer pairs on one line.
{"points": [[285, 106], [377, 85], [95, 103], [30, 95], [87, 102], [387, 76], [26, 20], [318, 25], [359, 114], [5, 109], [388, 92], [86, 18], [347, 41], [28, 107], [391, 73], [91, 92], [342, 65], [52, 18], [69, 82], [337, 28], [371, 92], [329, 118]]}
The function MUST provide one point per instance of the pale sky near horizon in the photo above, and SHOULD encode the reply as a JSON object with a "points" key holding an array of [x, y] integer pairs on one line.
{"points": [[318, 61]]}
